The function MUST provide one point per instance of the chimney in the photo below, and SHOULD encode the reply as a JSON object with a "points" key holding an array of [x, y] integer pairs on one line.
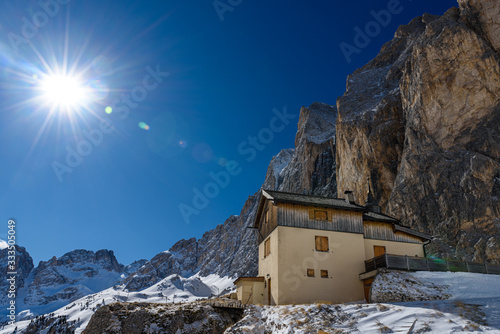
{"points": [[349, 197]]}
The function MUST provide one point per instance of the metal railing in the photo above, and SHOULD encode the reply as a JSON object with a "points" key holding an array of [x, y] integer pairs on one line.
{"points": [[411, 263], [226, 303]]}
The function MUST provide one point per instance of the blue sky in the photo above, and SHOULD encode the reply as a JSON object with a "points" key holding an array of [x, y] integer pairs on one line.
{"points": [[200, 80]]}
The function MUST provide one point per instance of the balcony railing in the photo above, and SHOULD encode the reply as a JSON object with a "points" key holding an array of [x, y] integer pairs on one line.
{"points": [[412, 263]]}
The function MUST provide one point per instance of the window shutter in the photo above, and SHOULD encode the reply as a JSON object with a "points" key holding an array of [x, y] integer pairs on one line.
{"points": [[324, 244], [321, 244], [267, 247], [320, 215], [318, 243]]}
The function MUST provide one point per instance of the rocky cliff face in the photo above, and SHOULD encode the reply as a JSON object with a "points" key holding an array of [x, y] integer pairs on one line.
{"points": [[419, 125], [310, 167]]}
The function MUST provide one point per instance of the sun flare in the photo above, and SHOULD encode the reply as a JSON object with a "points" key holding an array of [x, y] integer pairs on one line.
{"points": [[63, 91]]}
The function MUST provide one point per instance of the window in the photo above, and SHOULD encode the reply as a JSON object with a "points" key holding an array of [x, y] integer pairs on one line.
{"points": [[267, 247], [322, 244], [324, 273], [378, 250], [320, 215], [310, 272]]}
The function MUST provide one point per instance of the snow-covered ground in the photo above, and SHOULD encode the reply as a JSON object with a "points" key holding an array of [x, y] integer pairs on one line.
{"points": [[472, 305], [171, 289], [353, 318]]}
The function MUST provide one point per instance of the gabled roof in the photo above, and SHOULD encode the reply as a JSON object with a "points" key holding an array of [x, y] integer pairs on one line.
{"points": [[285, 197], [338, 203]]}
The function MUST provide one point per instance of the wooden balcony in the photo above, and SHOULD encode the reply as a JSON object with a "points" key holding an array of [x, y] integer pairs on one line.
{"points": [[410, 263]]}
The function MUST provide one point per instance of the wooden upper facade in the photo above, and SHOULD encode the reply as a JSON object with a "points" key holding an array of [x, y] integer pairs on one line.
{"points": [[330, 214]]}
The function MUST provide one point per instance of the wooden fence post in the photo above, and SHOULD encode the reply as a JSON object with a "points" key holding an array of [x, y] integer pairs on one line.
{"points": [[467, 265], [486, 267], [427, 264], [407, 263], [386, 261]]}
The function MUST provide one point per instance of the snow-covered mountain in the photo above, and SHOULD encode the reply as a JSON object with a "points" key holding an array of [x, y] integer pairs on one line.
{"points": [[74, 316], [59, 281]]}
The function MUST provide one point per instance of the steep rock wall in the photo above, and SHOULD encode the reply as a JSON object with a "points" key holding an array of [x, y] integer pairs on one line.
{"points": [[420, 126]]}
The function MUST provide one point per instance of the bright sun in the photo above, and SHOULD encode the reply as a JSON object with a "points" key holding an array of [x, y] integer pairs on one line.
{"points": [[64, 92]]}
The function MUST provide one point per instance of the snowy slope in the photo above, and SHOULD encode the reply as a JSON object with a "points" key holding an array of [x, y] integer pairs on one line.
{"points": [[353, 318], [472, 305], [171, 289]]}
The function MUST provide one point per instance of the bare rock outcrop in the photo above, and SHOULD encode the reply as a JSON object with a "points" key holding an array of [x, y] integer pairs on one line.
{"points": [[311, 169], [484, 17], [420, 126], [161, 318]]}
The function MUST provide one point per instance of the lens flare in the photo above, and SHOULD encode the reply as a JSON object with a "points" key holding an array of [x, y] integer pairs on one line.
{"points": [[202, 152], [98, 90], [143, 126]]}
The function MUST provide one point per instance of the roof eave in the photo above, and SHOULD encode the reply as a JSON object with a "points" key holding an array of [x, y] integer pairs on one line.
{"points": [[262, 199], [340, 207], [383, 220], [422, 235]]}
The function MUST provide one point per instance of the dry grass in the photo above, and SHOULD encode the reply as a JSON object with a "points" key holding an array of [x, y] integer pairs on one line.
{"points": [[471, 327], [324, 302], [382, 308], [383, 328], [424, 328]]}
